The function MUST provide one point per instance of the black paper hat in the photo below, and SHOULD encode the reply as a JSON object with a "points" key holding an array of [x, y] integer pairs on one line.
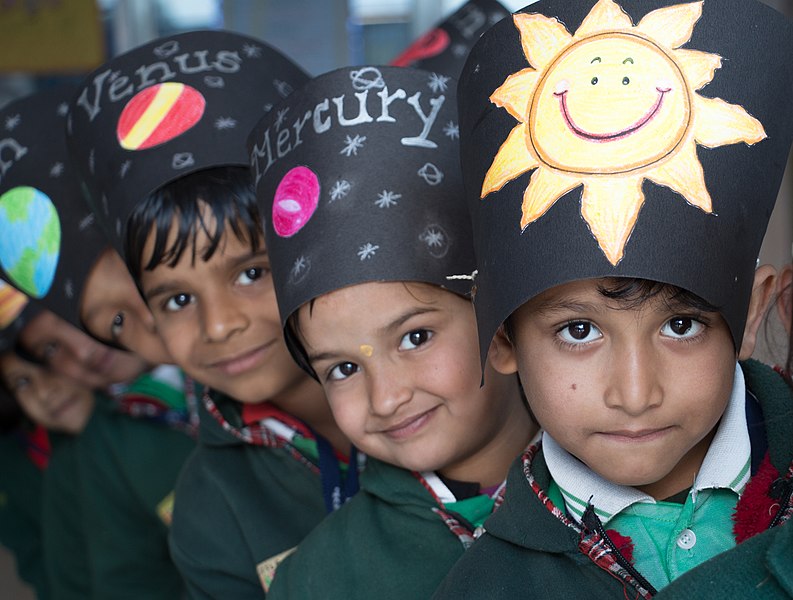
{"points": [[444, 48], [170, 108], [358, 178], [49, 241], [628, 138]]}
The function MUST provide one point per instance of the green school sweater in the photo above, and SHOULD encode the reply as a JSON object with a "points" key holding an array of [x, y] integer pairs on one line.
{"points": [[64, 539], [528, 551], [20, 512], [130, 468], [384, 543], [237, 505]]}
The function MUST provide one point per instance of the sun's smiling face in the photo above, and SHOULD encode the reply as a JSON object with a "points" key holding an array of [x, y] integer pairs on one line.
{"points": [[608, 107]]}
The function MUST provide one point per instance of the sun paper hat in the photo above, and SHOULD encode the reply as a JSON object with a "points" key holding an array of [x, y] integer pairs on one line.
{"points": [[48, 241], [625, 139], [358, 178], [445, 47], [174, 106]]}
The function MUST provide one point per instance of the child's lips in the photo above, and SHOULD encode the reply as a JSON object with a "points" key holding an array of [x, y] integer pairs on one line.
{"points": [[243, 361], [409, 426], [633, 436]]}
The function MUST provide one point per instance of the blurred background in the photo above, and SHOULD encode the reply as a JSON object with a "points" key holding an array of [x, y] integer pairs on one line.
{"points": [[45, 42]]}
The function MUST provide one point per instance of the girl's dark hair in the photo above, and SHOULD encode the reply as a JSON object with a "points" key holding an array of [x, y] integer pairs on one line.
{"points": [[631, 292], [227, 192]]}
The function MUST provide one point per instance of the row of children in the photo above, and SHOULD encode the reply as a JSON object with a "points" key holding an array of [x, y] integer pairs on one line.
{"points": [[300, 247]]}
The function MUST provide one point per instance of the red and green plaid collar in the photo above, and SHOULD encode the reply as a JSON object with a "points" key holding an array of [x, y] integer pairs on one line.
{"points": [[263, 432]]}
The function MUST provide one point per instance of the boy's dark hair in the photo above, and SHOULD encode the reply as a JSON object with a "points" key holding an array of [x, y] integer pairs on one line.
{"points": [[229, 194], [630, 293]]}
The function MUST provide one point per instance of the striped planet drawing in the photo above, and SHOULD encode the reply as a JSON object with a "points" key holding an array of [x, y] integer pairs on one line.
{"points": [[31, 240], [159, 114], [295, 201], [12, 301]]}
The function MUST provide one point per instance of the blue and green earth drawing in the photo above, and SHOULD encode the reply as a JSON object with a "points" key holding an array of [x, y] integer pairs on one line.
{"points": [[30, 239]]}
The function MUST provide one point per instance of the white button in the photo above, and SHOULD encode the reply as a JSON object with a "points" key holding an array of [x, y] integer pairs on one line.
{"points": [[687, 539], [478, 532]]}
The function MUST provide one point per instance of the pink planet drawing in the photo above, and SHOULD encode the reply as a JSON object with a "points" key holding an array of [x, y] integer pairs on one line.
{"points": [[295, 201]]}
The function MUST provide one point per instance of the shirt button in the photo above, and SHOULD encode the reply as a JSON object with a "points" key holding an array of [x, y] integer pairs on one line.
{"points": [[478, 532], [686, 539]]}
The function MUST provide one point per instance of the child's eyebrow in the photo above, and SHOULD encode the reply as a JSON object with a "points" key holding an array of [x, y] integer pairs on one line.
{"points": [[158, 290], [387, 329], [234, 261], [551, 307]]}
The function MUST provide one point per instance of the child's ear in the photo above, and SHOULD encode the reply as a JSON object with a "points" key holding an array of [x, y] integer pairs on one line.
{"points": [[501, 354], [763, 289], [784, 299]]}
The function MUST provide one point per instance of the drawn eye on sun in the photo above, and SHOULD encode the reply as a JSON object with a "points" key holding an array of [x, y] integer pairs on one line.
{"points": [[608, 107]]}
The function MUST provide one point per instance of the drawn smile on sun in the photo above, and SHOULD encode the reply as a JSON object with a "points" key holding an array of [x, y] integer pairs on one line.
{"points": [[607, 108]]}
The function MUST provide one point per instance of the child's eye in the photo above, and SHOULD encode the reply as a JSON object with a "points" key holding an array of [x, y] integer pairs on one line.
{"points": [[682, 328], [248, 276], [178, 302], [414, 339], [579, 332], [117, 326], [20, 383], [342, 371]]}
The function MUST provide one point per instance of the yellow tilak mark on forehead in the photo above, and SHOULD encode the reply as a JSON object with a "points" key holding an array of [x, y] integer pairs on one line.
{"points": [[367, 350]]}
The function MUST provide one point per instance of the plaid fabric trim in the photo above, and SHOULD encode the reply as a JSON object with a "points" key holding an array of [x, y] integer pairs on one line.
{"points": [[786, 512], [599, 552], [464, 534], [590, 544], [257, 434]]}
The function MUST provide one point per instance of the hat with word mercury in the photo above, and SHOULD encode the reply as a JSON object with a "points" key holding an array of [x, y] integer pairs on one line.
{"points": [[169, 108], [358, 177], [49, 241], [444, 48], [625, 138]]}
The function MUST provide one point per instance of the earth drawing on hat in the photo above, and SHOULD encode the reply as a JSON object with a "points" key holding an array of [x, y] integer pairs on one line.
{"points": [[158, 114], [608, 107], [31, 240], [12, 301]]}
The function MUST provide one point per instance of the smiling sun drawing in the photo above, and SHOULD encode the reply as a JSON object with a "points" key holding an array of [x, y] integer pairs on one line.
{"points": [[607, 108]]}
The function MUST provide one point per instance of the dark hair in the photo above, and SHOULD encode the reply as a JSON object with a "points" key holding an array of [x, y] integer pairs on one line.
{"points": [[228, 193], [630, 293]]}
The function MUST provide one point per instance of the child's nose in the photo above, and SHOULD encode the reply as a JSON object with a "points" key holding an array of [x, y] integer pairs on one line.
{"points": [[389, 388], [222, 318], [634, 386]]}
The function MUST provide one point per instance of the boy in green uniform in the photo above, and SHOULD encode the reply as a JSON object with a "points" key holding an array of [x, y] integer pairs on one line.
{"points": [[159, 135], [372, 266], [128, 465], [618, 208]]}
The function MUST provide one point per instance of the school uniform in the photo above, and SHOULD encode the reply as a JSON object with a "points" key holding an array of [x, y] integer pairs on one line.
{"points": [[248, 493], [534, 543], [20, 509], [397, 538], [63, 523], [130, 467]]}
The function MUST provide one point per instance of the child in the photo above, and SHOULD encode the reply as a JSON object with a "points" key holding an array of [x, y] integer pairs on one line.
{"points": [[635, 246], [174, 190], [371, 261], [53, 251]]}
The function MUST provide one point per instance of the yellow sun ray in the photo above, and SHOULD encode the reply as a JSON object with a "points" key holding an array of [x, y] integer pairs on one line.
{"points": [[698, 67], [719, 123], [545, 38], [610, 206], [607, 108], [545, 187], [683, 174], [671, 26], [511, 161], [606, 15], [513, 93]]}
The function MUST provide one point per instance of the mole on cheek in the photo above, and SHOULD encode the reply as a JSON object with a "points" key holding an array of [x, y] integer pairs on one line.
{"points": [[573, 386]]}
